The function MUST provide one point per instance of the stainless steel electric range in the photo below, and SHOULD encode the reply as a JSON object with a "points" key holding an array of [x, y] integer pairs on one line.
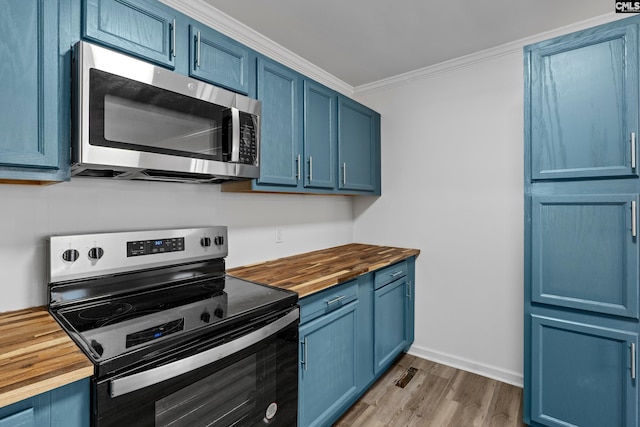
{"points": [[174, 340]]}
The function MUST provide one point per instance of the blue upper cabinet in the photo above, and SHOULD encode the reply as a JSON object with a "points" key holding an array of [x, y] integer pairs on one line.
{"points": [[280, 133], [584, 374], [218, 60], [358, 147], [585, 254], [34, 90], [320, 136], [584, 104], [144, 28]]}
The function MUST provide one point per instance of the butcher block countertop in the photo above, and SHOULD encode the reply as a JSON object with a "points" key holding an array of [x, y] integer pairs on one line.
{"points": [[313, 272], [36, 355]]}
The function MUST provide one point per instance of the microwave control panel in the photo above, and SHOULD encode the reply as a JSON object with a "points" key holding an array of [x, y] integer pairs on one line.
{"points": [[248, 139]]}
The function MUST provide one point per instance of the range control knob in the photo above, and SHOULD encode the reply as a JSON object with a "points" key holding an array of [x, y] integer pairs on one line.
{"points": [[97, 347], [218, 240], [205, 317], [70, 255], [219, 313], [96, 253], [205, 241]]}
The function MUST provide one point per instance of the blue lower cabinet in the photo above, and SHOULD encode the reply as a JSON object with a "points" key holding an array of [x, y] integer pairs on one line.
{"points": [[389, 320], [327, 365], [67, 406], [350, 335], [584, 374]]}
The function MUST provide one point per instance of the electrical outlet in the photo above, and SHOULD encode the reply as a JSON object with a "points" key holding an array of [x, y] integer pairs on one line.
{"points": [[278, 235]]}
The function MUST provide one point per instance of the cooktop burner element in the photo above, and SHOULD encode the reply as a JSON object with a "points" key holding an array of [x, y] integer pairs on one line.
{"points": [[105, 312]]}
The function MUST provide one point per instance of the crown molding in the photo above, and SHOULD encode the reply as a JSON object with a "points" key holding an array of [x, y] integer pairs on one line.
{"points": [[220, 21], [478, 57]]}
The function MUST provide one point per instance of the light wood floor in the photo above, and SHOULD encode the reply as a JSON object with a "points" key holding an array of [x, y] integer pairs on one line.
{"points": [[437, 395]]}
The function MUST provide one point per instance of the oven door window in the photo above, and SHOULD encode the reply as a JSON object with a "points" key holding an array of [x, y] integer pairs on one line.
{"points": [[255, 386], [128, 114], [203, 403]]}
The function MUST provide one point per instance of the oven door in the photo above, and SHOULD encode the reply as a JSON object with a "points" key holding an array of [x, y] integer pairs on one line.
{"points": [[245, 381]]}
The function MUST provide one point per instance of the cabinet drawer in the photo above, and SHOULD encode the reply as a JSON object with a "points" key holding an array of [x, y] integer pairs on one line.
{"points": [[328, 300], [389, 274]]}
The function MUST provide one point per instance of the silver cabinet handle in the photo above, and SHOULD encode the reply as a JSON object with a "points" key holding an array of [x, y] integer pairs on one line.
{"points": [[134, 382], [303, 362], [344, 173], [173, 38], [298, 166], [633, 361], [198, 49], [397, 273], [633, 150], [633, 219], [336, 299], [310, 168], [409, 289]]}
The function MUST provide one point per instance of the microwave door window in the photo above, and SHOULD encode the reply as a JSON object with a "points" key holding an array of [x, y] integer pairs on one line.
{"points": [[133, 115], [162, 129]]}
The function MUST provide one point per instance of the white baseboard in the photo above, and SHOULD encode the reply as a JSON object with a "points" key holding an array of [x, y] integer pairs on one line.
{"points": [[509, 377]]}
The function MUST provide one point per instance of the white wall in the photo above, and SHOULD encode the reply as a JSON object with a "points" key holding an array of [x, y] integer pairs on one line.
{"points": [[30, 213], [452, 187]]}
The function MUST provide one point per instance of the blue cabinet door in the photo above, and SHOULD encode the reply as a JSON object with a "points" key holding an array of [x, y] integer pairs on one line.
{"points": [[584, 104], [328, 365], [320, 136], [33, 91], [583, 374], [280, 139], [390, 312], [218, 59], [358, 146], [70, 405], [584, 253], [143, 28]]}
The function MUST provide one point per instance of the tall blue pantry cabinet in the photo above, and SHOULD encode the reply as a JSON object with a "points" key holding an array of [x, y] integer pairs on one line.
{"points": [[581, 228]]}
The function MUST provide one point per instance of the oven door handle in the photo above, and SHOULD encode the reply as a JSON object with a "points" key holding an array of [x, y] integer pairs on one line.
{"points": [[134, 382]]}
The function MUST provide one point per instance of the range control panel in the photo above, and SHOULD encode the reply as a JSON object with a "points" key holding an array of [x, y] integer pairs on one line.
{"points": [[155, 246], [91, 255]]}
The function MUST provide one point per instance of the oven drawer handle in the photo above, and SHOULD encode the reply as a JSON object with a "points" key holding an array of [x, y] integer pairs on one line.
{"points": [[128, 384]]}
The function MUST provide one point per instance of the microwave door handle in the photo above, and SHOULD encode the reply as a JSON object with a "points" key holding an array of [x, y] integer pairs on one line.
{"points": [[140, 380], [235, 135]]}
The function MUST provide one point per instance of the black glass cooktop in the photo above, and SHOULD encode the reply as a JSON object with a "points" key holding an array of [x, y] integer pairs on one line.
{"points": [[111, 326]]}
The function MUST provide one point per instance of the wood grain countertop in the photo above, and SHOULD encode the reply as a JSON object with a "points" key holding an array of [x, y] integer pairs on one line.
{"points": [[315, 271], [36, 355]]}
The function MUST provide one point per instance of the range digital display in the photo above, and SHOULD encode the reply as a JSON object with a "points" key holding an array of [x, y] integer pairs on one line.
{"points": [[155, 246], [155, 332]]}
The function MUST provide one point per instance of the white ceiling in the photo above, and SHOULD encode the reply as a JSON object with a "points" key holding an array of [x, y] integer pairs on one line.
{"points": [[363, 41]]}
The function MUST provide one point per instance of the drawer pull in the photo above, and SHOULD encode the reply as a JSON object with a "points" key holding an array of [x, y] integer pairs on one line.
{"points": [[397, 273], [336, 299]]}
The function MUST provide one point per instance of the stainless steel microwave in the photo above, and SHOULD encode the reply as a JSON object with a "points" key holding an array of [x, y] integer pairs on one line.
{"points": [[134, 120]]}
